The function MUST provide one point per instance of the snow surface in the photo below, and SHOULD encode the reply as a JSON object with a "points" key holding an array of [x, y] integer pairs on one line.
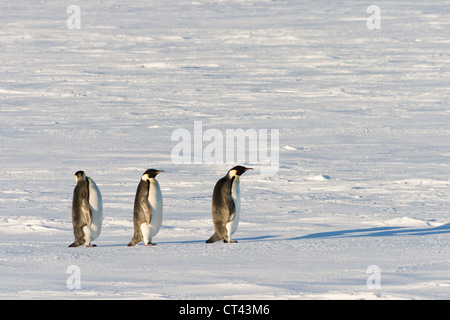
{"points": [[364, 147]]}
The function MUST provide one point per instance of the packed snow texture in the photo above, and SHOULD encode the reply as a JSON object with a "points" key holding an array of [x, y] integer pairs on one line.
{"points": [[364, 157]]}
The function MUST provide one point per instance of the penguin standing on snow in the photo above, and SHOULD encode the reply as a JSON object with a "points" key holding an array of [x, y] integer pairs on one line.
{"points": [[148, 209], [87, 211], [226, 205]]}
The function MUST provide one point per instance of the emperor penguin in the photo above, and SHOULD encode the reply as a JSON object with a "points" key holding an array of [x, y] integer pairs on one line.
{"points": [[87, 211], [148, 209], [226, 205]]}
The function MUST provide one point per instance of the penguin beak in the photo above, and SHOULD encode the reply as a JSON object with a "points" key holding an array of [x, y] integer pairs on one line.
{"points": [[248, 169], [159, 171]]}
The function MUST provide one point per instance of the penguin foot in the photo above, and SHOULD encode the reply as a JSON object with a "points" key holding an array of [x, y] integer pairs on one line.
{"points": [[151, 244], [90, 245], [75, 244], [215, 237], [133, 243], [231, 241]]}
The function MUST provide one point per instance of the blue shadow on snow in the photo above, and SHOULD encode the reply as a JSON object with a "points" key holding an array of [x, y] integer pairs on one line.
{"points": [[378, 232]]}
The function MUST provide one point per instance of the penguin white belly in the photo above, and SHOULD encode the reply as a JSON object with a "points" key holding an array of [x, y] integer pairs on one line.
{"points": [[156, 204], [236, 196], [95, 202]]}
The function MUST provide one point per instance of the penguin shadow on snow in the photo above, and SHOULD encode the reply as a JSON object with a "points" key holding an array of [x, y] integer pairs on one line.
{"points": [[183, 241], [378, 232], [257, 239], [249, 239]]}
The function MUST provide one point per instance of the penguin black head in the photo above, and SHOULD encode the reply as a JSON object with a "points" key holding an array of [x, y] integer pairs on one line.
{"points": [[80, 176], [150, 173], [238, 170]]}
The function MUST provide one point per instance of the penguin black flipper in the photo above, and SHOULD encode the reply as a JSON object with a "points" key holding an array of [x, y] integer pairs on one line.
{"points": [[143, 191], [224, 204], [86, 208], [147, 210], [229, 200]]}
